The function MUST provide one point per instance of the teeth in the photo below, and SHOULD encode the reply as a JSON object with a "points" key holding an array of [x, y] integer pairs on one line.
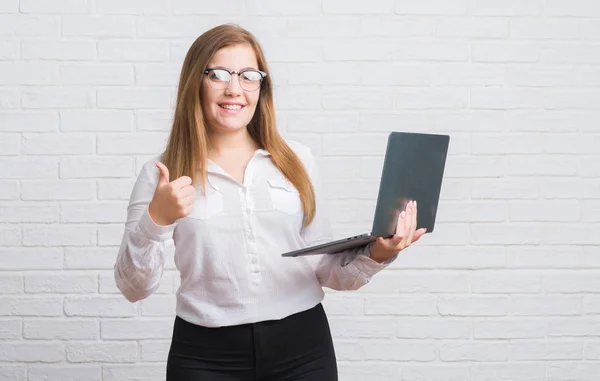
{"points": [[231, 107]]}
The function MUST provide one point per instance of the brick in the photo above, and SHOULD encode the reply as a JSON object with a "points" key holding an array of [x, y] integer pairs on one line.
{"points": [[584, 8], [154, 121], [358, 7], [480, 27], [459, 74], [473, 211], [569, 188], [436, 372], [60, 190], [475, 167], [38, 258], [568, 53], [409, 306], [507, 52], [545, 121], [10, 330], [373, 328], [173, 27], [57, 144], [10, 236], [119, 189], [93, 213], [572, 327], [58, 235], [123, 50], [506, 8], [536, 77], [64, 49], [508, 371], [136, 143], [544, 211], [154, 350], [18, 25], [30, 306], [572, 370], [552, 350], [553, 257], [432, 7], [44, 352], [496, 144], [149, 372], [473, 306], [505, 282], [505, 234], [110, 235], [25, 73], [10, 144], [474, 351], [98, 26], [501, 328], [506, 98], [95, 74], [61, 283], [13, 372], [28, 122], [344, 305], [541, 166], [57, 7], [276, 8], [89, 258], [29, 214], [57, 98], [415, 121], [103, 352], [96, 120], [308, 26], [136, 329], [433, 328], [96, 167], [571, 282], [54, 329], [396, 26], [9, 6], [157, 74], [133, 7], [70, 372], [133, 98], [28, 167], [11, 284], [523, 305], [571, 99], [99, 306], [9, 190], [225, 8], [591, 350]]}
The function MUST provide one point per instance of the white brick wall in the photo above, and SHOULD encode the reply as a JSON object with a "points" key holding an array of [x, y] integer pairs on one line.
{"points": [[508, 288]]}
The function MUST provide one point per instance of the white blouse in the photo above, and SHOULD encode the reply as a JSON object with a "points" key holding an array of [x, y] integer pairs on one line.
{"points": [[228, 249]]}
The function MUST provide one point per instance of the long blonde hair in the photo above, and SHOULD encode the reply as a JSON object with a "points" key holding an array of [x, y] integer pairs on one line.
{"points": [[186, 149]]}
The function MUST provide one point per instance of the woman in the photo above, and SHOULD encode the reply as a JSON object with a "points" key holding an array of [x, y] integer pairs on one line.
{"points": [[231, 195]]}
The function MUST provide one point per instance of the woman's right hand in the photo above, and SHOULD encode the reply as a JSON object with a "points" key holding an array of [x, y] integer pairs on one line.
{"points": [[172, 199]]}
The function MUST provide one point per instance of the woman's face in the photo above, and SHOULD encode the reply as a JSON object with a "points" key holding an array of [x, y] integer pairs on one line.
{"points": [[229, 107]]}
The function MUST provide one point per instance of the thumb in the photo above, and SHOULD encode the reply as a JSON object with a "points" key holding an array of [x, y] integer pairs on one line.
{"points": [[163, 173]]}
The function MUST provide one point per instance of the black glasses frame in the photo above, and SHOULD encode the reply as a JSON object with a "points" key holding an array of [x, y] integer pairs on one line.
{"points": [[239, 73]]}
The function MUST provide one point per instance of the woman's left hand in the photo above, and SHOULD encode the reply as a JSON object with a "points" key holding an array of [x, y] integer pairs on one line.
{"points": [[385, 248]]}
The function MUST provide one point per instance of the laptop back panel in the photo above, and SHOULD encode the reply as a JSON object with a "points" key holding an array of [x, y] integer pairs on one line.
{"points": [[420, 158]]}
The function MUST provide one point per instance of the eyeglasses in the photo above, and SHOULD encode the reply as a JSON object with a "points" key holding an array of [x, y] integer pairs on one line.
{"points": [[249, 79]]}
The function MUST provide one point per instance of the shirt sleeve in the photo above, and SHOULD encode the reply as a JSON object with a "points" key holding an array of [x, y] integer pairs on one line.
{"points": [[140, 260], [348, 270]]}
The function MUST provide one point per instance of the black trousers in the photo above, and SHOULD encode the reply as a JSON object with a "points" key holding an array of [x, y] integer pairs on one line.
{"points": [[296, 348]]}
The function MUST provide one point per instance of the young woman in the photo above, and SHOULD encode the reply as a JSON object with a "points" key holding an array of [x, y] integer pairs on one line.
{"points": [[231, 195]]}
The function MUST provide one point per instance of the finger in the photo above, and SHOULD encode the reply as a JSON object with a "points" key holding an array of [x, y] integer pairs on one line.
{"points": [[400, 223], [163, 173], [418, 234], [181, 182], [407, 223], [187, 191], [413, 226]]}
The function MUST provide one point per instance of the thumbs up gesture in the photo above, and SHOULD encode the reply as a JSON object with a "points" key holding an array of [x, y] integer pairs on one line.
{"points": [[172, 199]]}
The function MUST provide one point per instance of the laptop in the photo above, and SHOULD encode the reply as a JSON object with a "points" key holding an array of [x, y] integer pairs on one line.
{"points": [[413, 169]]}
